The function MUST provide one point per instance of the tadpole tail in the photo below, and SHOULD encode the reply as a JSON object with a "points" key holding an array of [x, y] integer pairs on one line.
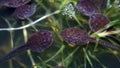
{"points": [[107, 44], [114, 39], [104, 43], [13, 53]]}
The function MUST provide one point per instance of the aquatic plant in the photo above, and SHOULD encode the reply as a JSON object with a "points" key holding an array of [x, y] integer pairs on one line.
{"points": [[80, 29]]}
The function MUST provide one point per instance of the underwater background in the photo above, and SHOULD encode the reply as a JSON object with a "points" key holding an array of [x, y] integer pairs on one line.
{"points": [[55, 16]]}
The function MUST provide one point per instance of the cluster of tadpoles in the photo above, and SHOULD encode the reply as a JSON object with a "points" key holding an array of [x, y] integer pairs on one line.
{"points": [[43, 39], [23, 8], [96, 20]]}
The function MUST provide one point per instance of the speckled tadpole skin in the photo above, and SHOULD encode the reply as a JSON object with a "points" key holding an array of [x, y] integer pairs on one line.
{"points": [[38, 42], [24, 11], [76, 36], [98, 21], [14, 3], [86, 7]]}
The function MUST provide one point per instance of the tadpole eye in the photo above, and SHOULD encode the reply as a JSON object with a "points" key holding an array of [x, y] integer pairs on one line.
{"points": [[98, 21], [86, 7], [74, 36], [40, 41], [15, 3], [25, 11]]}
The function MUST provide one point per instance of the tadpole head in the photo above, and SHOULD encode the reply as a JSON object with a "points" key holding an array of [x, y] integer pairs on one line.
{"points": [[98, 21], [25, 11], [15, 3], [86, 7], [74, 36], [40, 41]]}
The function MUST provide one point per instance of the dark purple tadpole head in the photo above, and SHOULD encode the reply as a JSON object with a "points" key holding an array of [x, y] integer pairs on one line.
{"points": [[40, 41], [15, 3], [98, 21], [25, 11], [86, 7], [76, 36]]}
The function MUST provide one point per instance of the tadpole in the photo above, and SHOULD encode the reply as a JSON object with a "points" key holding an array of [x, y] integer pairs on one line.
{"points": [[86, 7], [24, 11], [77, 36], [14, 3], [38, 42], [98, 21]]}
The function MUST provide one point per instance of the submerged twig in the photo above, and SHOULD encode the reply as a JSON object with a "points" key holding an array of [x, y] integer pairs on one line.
{"points": [[32, 23]]}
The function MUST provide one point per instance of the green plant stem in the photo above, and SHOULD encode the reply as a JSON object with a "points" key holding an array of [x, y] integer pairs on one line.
{"points": [[32, 23], [103, 34], [60, 50], [87, 58], [28, 51], [11, 42], [31, 59], [77, 21]]}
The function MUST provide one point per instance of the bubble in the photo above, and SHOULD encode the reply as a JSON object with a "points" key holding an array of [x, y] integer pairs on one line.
{"points": [[69, 10]]}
